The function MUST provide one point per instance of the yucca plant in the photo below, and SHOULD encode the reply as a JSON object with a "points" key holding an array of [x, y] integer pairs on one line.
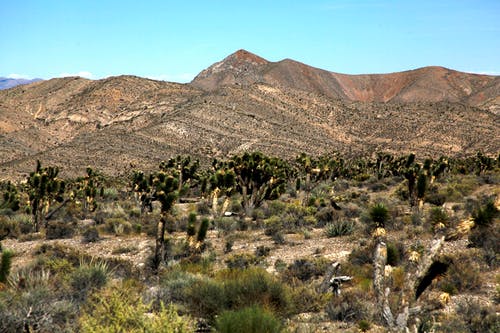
{"points": [[339, 228]]}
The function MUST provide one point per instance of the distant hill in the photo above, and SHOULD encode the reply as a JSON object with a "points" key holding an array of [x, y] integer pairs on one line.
{"points": [[428, 84], [245, 103], [6, 83]]}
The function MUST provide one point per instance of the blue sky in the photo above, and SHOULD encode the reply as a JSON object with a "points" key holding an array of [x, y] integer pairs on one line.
{"points": [[174, 40]]}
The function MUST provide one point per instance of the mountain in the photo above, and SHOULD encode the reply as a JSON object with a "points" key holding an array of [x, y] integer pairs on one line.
{"points": [[428, 84], [244, 103], [7, 83]]}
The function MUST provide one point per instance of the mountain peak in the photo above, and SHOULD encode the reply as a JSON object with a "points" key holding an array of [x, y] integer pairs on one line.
{"points": [[243, 56], [239, 68]]}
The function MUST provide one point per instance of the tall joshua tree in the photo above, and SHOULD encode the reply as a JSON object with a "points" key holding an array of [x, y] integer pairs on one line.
{"points": [[220, 182], [164, 186], [259, 178], [44, 189]]}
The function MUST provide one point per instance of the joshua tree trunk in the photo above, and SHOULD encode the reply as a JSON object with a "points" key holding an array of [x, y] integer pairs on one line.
{"points": [[160, 242], [382, 292]]}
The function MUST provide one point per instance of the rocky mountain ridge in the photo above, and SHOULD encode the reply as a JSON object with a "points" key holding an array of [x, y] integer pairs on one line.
{"points": [[244, 103]]}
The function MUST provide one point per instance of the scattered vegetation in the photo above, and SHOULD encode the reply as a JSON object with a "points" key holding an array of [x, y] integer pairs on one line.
{"points": [[217, 232]]}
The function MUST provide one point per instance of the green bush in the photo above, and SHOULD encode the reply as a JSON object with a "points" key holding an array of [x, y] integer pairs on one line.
{"points": [[236, 289], [121, 309], [5, 265], [304, 270], [484, 216], [8, 227], [118, 226], [339, 228], [395, 253], [47, 312], [326, 215], [487, 238], [463, 274], [90, 235], [241, 261], [438, 215], [350, 306], [59, 230], [251, 319], [89, 276], [471, 316]]}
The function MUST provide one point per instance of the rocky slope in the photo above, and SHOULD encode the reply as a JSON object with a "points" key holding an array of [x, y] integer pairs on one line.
{"points": [[244, 103]]}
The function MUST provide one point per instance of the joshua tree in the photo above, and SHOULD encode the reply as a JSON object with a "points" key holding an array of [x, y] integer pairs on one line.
{"points": [[399, 316], [44, 189], [221, 181], [186, 169], [258, 178], [419, 176], [87, 189], [10, 196], [164, 186]]}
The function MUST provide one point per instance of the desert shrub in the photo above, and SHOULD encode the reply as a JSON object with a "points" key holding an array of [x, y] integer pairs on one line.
{"points": [[8, 227], [362, 255], [304, 270], [395, 253], [437, 216], [375, 185], [278, 238], [352, 210], [89, 276], [121, 309], [241, 261], [203, 207], [118, 226], [483, 216], [90, 235], [235, 289], [46, 313], [350, 306], [174, 285], [434, 196], [60, 229], [458, 187], [339, 228], [272, 225], [262, 251], [462, 275], [58, 251], [25, 223], [5, 265], [296, 217], [125, 249], [487, 240], [364, 325], [109, 194], [253, 319], [471, 316], [226, 224], [398, 278], [275, 207], [326, 215]]}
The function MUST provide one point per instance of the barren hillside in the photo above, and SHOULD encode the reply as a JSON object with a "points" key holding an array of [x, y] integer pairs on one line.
{"points": [[245, 103]]}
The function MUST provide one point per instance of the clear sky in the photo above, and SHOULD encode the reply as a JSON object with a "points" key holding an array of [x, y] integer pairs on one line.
{"points": [[174, 40]]}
